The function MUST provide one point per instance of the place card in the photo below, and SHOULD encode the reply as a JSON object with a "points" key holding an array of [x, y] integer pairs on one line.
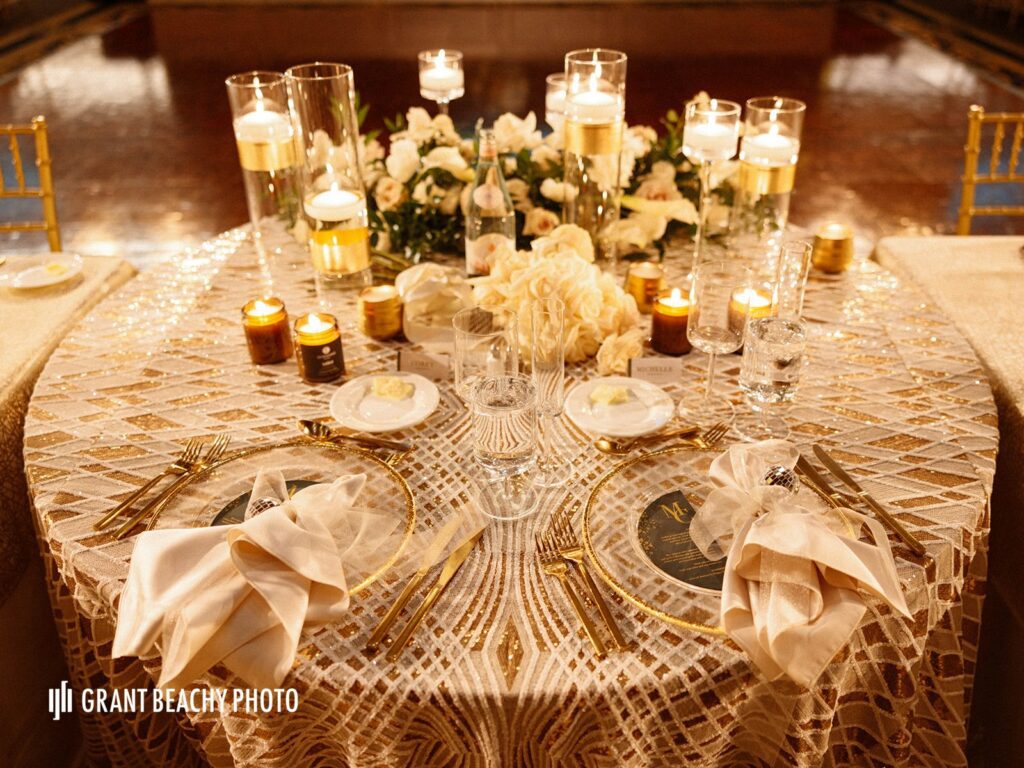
{"points": [[435, 367], [657, 370], [664, 534]]}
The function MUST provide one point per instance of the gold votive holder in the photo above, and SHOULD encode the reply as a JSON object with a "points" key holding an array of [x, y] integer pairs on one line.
{"points": [[380, 312], [318, 348], [644, 282], [670, 317], [833, 248], [754, 303], [265, 322]]}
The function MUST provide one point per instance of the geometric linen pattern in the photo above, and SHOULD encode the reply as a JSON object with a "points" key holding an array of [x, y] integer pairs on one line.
{"points": [[498, 674]]}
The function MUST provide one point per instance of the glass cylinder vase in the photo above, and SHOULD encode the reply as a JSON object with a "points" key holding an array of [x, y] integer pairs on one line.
{"points": [[768, 156], [267, 153], [323, 100], [595, 108]]}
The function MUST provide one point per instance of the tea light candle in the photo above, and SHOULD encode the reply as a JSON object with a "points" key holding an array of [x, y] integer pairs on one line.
{"points": [[263, 126], [710, 140], [770, 148], [644, 281], [833, 248], [754, 303], [442, 76], [668, 324], [319, 352], [380, 312], [265, 322], [593, 107]]}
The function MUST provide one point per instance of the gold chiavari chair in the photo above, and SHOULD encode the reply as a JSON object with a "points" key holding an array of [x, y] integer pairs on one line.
{"points": [[21, 190], [1004, 122]]}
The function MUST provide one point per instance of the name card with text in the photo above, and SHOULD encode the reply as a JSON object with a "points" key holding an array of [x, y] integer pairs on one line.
{"points": [[657, 370], [431, 366]]}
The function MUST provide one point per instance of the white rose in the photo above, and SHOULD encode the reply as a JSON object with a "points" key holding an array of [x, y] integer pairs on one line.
{"points": [[404, 160], [545, 156], [421, 193], [571, 236], [645, 135], [539, 222], [448, 159], [388, 193], [371, 152], [617, 350], [659, 189], [444, 131], [514, 134], [519, 191], [419, 126], [553, 190], [663, 169]]}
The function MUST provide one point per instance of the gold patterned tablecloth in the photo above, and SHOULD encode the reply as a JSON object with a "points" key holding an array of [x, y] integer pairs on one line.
{"points": [[498, 674]]}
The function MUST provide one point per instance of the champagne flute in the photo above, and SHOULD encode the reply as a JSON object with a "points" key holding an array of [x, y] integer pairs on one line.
{"points": [[547, 364], [719, 297]]}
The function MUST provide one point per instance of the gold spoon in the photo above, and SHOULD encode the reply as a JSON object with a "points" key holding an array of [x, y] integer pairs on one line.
{"points": [[618, 447], [319, 431]]}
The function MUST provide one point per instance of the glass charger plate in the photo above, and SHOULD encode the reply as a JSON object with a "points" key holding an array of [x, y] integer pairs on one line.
{"points": [[218, 494], [636, 533]]}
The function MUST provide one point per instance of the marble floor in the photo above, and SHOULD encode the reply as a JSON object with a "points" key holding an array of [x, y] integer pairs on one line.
{"points": [[145, 162]]}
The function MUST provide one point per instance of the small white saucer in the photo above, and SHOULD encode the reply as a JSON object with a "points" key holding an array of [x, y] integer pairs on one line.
{"points": [[355, 406], [42, 271], [648, 409]]}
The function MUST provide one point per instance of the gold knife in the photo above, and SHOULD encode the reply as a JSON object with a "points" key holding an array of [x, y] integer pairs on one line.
{"points": [[820, 484], [451, 567], [427, 561], [916, 546]]}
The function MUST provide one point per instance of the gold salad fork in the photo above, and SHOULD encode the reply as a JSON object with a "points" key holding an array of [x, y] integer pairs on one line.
{"points": [[553, 564], [571, 550], [188, 456], [217, 447], [704, 440]]}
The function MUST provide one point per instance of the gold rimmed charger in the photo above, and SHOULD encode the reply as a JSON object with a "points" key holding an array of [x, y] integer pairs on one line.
{"points": [[612, 537], [220, 489]]}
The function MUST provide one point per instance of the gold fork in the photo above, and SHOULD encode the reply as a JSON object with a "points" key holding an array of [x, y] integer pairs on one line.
{"points": [[217, 447], [711, 437], [552, 563], [571, 550], [705, 440], [188, 456]]}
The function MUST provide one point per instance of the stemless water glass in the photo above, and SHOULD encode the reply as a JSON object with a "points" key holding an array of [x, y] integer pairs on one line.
{"points": [[794, 265], [505, 443], [547, 366], [711, 133], [486, 344], [773, 358], [719, 300]]}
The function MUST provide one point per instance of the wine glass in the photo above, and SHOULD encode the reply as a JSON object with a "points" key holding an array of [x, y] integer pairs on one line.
{"points": [[719, 300], [504, 432], [773, 358], [486, 344], [710, 133], [547, 365], [441, 77]]}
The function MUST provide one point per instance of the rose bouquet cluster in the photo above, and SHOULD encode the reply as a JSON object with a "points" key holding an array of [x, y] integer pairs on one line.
{"points": [[600, 318], [419, 189]]}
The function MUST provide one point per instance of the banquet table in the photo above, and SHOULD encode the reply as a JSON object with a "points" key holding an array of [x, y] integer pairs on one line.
{"points": [[499, 674]]}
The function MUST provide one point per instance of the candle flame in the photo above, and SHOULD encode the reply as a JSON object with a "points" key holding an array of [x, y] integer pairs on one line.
{"points": [[677, 295], [315, 324], [261, 308]]}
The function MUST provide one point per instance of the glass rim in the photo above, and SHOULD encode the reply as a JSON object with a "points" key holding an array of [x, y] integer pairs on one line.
{"points": [[598, 55], [556, 78], [299, 71], [519, 378], [710, 107], [237, 81], [781, 104], [450, 54]]}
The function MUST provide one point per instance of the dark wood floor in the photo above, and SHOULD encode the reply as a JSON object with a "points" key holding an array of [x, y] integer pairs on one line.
{"points": [[145, 162]]}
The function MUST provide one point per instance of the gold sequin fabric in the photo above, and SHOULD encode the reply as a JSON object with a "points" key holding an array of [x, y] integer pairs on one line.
{"points": [[499, 674]]}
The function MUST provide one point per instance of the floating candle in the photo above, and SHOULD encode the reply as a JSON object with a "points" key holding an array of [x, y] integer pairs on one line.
{"points": [[710, 140], [335, 205], [770, 148], [669, 323], [594, 106]]}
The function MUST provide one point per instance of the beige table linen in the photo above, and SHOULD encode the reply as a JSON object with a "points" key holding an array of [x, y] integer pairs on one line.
{"points": [[498, 674]]}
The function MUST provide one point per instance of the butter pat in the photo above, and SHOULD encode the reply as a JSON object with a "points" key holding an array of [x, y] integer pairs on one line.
{"points": [[392, 388], [609, 394], [55, 268]]}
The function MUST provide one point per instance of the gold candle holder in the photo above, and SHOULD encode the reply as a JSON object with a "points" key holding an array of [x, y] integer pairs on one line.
{"points": [[265, 322], [669, 321], [833, 248], [318, 348], [380, 312], [644, 282], [754, 303]]}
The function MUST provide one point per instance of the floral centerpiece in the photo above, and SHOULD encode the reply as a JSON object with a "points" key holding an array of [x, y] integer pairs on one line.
{"points": [[419, 188]]}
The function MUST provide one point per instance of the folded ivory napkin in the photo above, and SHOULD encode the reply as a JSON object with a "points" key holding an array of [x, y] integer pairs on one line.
{"points": [[242, 594], [796, 573]]}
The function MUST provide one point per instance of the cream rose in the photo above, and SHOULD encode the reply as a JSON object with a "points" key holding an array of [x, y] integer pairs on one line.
{"points": [[388, 193], [448, 159], [553, 190], [659, 189], [516, 133], [519, 191], [617, 350], [545, 156], [404, 160], [539, 222]]}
